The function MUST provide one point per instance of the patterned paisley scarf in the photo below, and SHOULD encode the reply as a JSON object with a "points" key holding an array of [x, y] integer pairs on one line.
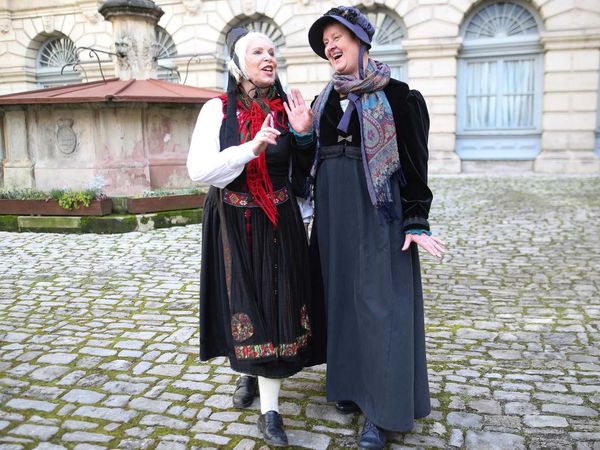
{"points": [[378, 144], [251, 115]]}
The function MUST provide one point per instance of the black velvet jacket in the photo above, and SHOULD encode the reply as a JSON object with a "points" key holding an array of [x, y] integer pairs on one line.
{"points": [[412, 128]]}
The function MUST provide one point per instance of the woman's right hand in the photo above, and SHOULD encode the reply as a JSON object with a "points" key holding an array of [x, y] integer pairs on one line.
{"points": [[267, 135]]}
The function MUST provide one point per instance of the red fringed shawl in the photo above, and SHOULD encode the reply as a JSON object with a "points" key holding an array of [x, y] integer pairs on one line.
{"points": [[251, 115]]}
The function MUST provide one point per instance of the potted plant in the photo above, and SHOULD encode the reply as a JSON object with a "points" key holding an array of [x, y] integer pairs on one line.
{"points": [[58, 202], [166, 200]]}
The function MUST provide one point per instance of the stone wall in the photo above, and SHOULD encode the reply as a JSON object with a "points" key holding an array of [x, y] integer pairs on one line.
{"points": [[569, 35], [132, 147]]}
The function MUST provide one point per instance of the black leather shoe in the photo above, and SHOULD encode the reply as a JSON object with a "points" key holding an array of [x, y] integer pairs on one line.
{"points": [[347, 407], [245, 391], [270, 425], [371, 437]]}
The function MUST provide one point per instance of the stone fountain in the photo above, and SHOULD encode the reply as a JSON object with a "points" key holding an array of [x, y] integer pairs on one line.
{"points": [[131, 131]]}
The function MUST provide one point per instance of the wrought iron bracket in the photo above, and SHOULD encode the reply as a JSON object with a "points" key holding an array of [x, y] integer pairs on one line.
{"points": [[93, 52], [196, 58]]}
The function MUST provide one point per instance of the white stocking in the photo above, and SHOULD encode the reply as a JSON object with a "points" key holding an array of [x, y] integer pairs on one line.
{"points": [[269, 394]]}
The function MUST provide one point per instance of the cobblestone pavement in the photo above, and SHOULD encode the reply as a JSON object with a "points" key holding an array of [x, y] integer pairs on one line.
{"points": [[99, 335]]}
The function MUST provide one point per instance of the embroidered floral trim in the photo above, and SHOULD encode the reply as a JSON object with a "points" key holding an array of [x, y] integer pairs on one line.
{"points": [[241, 327], [293, 348], [304, 320], [254, 351], [268, 349], [245, 199]]}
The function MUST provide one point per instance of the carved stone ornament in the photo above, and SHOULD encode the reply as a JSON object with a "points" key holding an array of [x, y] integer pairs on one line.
{"points": [[66, 139], [91, 14], [49, 24], [124, 45], [151, 51], [249, 7], [126, 50], [192, 6], [5, 23]]}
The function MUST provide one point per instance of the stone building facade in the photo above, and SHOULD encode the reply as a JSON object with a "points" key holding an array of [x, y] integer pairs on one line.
{"points": [[511, 85]]}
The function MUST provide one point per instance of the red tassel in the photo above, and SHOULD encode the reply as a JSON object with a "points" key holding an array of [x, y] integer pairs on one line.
{"points": [[257, 175], [261, 188]]}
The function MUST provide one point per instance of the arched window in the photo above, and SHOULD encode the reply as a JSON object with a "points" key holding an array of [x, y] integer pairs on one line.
{"points": [[501, 20], [386, 45], [500, 81], [166, 51], [267, 27], [55, 53]]}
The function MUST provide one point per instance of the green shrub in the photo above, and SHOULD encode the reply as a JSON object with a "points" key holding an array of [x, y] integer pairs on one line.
{"points": [[74, 199], [23, 194], [168, 192]]}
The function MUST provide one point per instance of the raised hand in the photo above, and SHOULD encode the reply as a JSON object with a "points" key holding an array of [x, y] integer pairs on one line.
{"points": [[267, 135], [299, 115]]}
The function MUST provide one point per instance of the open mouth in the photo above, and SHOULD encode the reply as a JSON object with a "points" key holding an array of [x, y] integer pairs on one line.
{"points": [[268, 69], [337, 56]]}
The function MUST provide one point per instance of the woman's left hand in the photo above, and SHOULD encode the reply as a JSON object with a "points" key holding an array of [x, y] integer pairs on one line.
{"points": [[431, 244], [299, 115]]}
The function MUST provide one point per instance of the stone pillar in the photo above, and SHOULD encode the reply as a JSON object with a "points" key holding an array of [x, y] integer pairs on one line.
{"points": [[572, 62], [432, 68], [121, 153], [133, 23], [18, 168], [2, 151]]}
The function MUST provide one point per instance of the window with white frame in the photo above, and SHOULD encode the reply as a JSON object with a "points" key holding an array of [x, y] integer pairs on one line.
{"points": [[500, 84], [270, 29], [167, 50], [386, 45], [57, 54]]}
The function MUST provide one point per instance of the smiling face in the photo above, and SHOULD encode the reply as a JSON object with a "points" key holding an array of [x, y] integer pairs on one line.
{"points": [[341, 49], [261, 65]]}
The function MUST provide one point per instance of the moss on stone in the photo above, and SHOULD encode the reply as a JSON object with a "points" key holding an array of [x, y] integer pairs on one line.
{"points": [[181, 217], [9, 223], [112, 224], [108, 224]]}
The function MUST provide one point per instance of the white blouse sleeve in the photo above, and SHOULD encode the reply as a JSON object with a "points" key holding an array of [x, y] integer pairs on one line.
{"points": [[205, 162], [306, 208]]}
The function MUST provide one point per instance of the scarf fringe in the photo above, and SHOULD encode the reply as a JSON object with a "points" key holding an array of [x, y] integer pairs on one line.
{"points": [[385, 203]]}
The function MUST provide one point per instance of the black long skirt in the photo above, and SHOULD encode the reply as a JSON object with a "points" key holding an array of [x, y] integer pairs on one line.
{"points": [[259, 313], [375, 338]]}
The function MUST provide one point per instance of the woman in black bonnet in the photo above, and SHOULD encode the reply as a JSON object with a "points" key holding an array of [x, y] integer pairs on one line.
{"points": [[254, 146], [371, 207]]}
